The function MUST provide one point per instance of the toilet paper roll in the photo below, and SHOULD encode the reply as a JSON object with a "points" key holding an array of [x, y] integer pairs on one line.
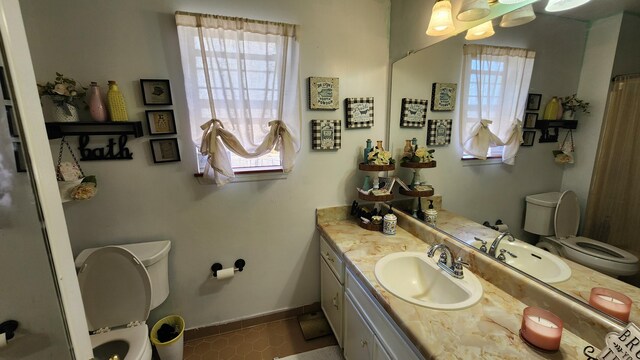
{"points": [[502, 227], [3, 340], [225, 273]]}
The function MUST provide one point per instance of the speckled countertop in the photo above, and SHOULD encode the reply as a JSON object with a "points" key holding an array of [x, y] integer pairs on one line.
{"points": [[487, 330]]}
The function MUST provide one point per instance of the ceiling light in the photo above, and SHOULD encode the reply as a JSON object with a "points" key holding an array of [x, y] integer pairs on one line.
{"points": [[481, 31], [561, 5], [518, 17], [472, 10], [441, 22]]}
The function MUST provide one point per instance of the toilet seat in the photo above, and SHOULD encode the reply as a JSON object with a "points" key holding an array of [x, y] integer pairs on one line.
{"points": [[137, 337]]}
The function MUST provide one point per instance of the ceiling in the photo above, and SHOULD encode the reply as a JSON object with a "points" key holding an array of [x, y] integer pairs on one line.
{"points": [[595, 9]]}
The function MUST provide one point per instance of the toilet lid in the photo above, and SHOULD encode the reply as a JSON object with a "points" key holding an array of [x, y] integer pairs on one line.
{"points": [[567, 217], [115, 288], [600, 250]]}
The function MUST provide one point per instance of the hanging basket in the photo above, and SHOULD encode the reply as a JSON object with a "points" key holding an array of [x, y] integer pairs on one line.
{"points": [[565, 155], [72, 183]]}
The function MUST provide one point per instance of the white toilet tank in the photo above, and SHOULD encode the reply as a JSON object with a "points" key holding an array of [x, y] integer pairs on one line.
{"points": [[154, 256], [541, 209]]}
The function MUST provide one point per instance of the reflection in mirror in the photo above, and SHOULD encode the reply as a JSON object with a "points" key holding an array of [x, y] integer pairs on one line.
{"points": [[574, 55]]}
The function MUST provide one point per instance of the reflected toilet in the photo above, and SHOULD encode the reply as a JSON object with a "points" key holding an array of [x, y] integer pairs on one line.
{"points": [[119, 286], [555, 217]]}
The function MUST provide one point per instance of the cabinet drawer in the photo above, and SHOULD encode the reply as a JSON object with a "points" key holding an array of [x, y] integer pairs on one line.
{"points": [[333, 260], [331, 299], [393, 340]]}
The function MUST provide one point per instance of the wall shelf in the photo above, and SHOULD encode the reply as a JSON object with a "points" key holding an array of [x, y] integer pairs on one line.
{"points": [[545, 125], [56, 130]]}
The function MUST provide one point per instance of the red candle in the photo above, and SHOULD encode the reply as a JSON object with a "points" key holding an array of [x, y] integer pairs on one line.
{"points": [[541, 328], [611, 302]]}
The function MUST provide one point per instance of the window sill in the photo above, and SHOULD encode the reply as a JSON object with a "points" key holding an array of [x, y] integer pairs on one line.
{"points": [[250, 175], [472, 161]]}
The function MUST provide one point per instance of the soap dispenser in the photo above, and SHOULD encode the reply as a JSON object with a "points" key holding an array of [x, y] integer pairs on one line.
{"points": [[390, 222], [432, 214]]}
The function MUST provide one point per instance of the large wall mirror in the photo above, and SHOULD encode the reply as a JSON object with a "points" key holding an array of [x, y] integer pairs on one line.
{"points": [[579, 52]]}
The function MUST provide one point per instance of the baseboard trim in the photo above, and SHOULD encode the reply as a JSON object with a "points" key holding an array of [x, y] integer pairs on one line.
{"points": [[215, 329]]}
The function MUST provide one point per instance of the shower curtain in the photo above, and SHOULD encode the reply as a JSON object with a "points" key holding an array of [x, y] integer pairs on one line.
{"points": [[613, 208]]}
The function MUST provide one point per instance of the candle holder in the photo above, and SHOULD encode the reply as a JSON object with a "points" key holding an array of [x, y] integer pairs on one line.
{"points": [[611, 302], [541, 329]]}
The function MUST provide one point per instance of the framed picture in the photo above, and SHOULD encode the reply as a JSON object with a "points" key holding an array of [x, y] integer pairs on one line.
{"points": [[165, 150], [530, 120], [443, 96], [3, 84], [326, 134], [359, 112], [413, 112], [21, 165], [439, 132], [323, 93], [161, 122], [11, 119], [156, 91], [528, 137], [533, 101]]}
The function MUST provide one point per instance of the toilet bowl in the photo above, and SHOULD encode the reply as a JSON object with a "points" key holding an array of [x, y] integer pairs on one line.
{"points": [[558, 214], [119, 287]]}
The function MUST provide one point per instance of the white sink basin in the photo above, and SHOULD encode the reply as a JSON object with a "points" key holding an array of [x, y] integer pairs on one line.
{"points": [[416, 278], [536, 262]]}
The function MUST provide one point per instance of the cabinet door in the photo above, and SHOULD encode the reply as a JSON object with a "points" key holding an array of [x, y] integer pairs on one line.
{"points": [[379, 353], [358, 338], [331, 295]]}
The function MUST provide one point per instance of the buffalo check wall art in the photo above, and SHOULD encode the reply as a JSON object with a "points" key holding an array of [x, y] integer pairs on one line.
{"points": [[439, 132], [413, 113], [359, 112], [326, 134]]}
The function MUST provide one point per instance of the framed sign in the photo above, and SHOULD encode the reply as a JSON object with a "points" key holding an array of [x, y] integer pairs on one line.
{"points": [[326, 134], [359, 112], [528, 137], [443, 96], [323, 93], [533, 101], [165, 150], [156, 92], [413, 112], [439, 132], [161, 122], [530, 120]]}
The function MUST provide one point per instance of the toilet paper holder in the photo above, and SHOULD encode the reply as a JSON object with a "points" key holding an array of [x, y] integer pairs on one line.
{"points": [[237, 266], [8, 328]]}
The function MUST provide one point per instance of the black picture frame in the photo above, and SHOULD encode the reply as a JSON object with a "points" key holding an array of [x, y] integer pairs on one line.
{"points": [[530, 120], [161, 122], [326, 134], [11, 119], [156, 91], [18, 154], [359, 112], [413, 113], [3, 83], [528, 137], [165, 150], [533, 101]]}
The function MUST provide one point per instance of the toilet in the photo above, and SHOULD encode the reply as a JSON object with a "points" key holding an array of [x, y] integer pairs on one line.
{"points": [[558, 214], [120, 285]]}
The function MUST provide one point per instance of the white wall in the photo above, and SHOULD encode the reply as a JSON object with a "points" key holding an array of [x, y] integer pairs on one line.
{"points": [[271, 224], [595, 78], [627, 59], [496, 191]]}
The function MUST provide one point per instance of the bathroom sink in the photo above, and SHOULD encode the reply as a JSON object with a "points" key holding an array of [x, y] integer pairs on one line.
{"points": [[536, 262], [416, 278]]}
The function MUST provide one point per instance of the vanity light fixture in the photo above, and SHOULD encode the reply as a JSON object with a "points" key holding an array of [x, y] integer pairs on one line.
{"points": [[518, 17], [481, 31], [562, 5], [441, 22], [472, 10]]}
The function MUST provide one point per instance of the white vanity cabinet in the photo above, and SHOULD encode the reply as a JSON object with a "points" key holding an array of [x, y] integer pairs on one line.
{"points": [[331, 288], [360, 343]]}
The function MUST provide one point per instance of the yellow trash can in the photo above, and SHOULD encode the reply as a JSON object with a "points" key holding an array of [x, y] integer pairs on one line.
{"points": [[171, 349]]}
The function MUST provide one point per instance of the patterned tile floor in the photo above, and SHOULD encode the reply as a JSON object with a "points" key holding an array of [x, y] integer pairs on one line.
{"points": [[261, 342]]}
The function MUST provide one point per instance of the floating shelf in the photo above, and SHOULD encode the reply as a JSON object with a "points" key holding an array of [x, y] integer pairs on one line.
{"points": [[57, 130], [416, 193], [374, 197], [545, 125], [418, 165], [371, 167]]}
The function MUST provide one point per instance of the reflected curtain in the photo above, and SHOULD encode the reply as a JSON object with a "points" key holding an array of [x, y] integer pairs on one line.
{"points": [[613, 207], [495, 84]]}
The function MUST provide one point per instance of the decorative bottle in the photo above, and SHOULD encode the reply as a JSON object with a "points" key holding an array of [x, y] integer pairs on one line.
{"points": [[97, 108], [367, 150], [552, 109], [408, 148], [431, 214], [379, 145], [115, 100]]}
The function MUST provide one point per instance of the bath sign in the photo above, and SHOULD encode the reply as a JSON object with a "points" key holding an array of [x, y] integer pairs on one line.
{"points": [[323, 93], [359, 112], [625, 345], [443, 97]]}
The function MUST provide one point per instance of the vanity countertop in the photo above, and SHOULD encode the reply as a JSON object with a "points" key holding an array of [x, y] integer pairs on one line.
{"points": [[579, 284], [486, 330]]}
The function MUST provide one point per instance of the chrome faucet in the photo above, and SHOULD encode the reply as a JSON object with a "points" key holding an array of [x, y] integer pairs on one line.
{"points": [[455, 269], [496, 242]]}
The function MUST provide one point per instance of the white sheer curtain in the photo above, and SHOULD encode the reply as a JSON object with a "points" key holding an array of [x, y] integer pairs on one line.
{"points": [[241, 81], [495, 83]]}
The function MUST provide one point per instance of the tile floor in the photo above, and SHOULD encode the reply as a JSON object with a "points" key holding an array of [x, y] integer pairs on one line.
{"points": [[261, 342]]}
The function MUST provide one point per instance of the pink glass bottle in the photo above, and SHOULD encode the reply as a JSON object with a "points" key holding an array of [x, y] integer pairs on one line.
{"points": [[97, 107]]}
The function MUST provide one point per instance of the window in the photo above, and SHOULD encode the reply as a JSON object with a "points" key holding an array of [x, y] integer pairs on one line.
{"points": [[495, 83], [241, 81]]}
